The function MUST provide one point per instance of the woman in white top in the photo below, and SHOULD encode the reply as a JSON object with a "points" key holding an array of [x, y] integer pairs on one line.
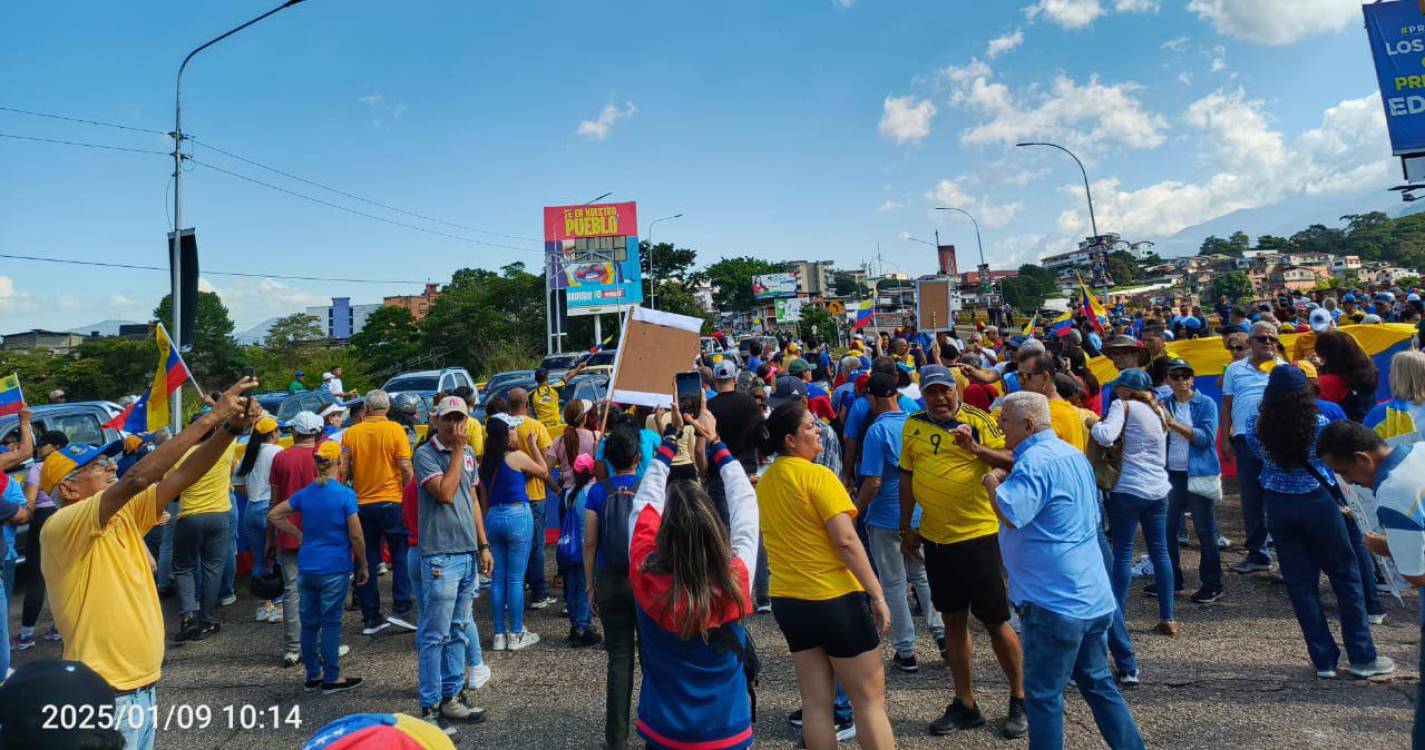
{"points": [[253, 479], [1141, 493]]}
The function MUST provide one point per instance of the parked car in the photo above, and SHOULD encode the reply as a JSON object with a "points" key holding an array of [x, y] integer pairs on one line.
{"points": [[590, 386], [312, 401], [81, 421], [769, 344], [502, 384], [431, 382], [558, 364], [602, 357], [271, 401]]}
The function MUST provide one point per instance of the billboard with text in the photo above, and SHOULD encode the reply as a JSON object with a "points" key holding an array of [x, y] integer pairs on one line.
{"points": [[592, 253], [773, 285]]}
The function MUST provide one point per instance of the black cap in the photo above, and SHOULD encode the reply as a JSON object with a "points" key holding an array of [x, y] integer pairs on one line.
{"points": [[788, 388], [881, 385], [1177, 364], [52, 682]]}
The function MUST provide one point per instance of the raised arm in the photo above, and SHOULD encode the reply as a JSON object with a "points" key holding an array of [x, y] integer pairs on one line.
{"points": [[25, 449]]}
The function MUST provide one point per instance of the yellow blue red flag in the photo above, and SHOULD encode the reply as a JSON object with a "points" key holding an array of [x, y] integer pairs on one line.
{"points": [[150, 412], [12, 399]]}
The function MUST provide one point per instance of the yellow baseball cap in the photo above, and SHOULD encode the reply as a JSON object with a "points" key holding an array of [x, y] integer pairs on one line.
{"points": [[265, 425], [63, 462], [329, 450]]}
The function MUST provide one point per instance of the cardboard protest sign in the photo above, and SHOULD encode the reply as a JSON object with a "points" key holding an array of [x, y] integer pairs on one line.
{"points": [[932, 305], [654, 347]]}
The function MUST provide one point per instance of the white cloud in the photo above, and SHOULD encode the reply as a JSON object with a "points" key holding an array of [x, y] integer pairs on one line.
{"points": [[1177, 44], [250, 301], [1218, 53], [1070, 14], [372, 100], [953, 193], [1079, 115], [1000, 45], [12, 301], [1136, 6], [1185, 78], [1252, 165], [1013, 251], [598, 129], [889, 205], [1276, 21], [904, 119], [843, 3]]}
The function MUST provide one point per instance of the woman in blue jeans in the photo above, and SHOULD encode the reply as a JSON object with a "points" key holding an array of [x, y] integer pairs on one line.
{"points": [[509, 524], [329, 537], [1308, 525], [1141, 494], [1192, 458], [253, 479]]}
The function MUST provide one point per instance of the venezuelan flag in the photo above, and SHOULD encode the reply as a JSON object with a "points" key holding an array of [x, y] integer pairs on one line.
{"points": [[1095, 310], [864, 314], [12, 399], [1061, 325], [1032, 325], [150, 412]]}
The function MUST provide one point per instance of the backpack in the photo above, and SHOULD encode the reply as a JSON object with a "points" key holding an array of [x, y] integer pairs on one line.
{"points": [[613, 525], [569, 552]]}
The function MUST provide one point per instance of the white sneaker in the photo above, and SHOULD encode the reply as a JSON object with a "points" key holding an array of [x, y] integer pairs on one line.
{"points": [[499, 642], [274, 615], [1376, 619], [227, 600], [291, 659], [400, 623], [343, 650], [1382, 665], [478, 676], [523, 640], [374, 629], [263, 615]]}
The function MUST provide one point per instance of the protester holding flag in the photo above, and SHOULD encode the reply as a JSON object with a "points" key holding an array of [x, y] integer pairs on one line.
{"points": [[94, 560]]}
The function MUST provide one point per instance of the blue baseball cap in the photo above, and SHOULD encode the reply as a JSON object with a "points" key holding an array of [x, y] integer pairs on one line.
{"points": [[1133, 379], [1349, 297], [65, 461], [1286, 378], [935, 375]]}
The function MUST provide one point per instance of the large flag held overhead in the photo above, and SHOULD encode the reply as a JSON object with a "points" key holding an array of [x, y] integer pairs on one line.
{"points": [[150, 412], [1093, 309], [12, 399]]}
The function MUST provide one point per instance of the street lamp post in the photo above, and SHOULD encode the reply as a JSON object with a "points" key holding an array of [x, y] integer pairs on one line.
{"points": [[652, 280], [1088, 193], [176, 402], [986, 283]]}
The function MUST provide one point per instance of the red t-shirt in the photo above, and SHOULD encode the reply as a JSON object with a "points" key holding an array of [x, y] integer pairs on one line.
{"points": [[979, 396], [411, 512], [292, 469], [1333, 388]]}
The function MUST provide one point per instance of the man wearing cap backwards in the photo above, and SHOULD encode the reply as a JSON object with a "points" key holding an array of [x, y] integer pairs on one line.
{"points": [[452, 533], [379, 466], [96, 569], [292, 470], [1242, 385], [947, 450]]}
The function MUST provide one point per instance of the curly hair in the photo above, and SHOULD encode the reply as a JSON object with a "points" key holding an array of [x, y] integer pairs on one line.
{"points": [[1286, 425], [1341, 355]]}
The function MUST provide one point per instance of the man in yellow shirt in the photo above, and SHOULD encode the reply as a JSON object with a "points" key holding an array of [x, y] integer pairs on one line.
{"points": [[379, 467], [946, 451], [545, 400], [519, 409], [94, 561], [1036, 374], [202, 541]]}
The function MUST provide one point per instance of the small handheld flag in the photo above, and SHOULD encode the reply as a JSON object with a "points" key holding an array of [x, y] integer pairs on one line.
{"points": [[12, 399], [150, 412], [1032, 326], [864, 314]]}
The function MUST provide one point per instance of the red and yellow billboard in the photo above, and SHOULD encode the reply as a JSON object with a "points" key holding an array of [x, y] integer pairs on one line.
{"points": [[602, 220]]}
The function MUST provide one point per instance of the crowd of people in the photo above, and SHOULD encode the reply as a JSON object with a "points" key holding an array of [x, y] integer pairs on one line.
{"points": [[906, 484]]}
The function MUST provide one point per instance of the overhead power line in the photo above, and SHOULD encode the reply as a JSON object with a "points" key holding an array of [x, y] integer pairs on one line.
{"points": [[85, 145], [353, 196], [355, 212], [136, 267], [81, 120]]}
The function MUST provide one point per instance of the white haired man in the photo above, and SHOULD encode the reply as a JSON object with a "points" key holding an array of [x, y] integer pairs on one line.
{"points": [[1049, 519]]}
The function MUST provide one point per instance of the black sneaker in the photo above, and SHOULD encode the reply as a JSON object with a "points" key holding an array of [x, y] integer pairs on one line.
{"points": [[957, 717], [432, 716], [940, 644], [312, 686], [347, 683], [906, 663], [188, 629], [585, 637], [1152, 590], [208, 629], [1017, 724], [795, 718], [1206, 595]]}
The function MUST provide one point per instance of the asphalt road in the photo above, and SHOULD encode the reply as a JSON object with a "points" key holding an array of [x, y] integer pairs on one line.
{"points": [[1237, 677]]}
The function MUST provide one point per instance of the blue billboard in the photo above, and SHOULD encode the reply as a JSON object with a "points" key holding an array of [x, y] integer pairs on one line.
{"points": [[1397, 34]]}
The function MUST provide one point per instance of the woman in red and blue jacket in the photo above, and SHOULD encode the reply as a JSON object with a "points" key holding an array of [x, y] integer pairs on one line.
{"points": [[690, 578]]}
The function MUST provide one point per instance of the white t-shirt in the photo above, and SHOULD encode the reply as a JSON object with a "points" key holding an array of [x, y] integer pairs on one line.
{"points": [[1144, 448], [257, 481], [334, 385], [1177, 444]]}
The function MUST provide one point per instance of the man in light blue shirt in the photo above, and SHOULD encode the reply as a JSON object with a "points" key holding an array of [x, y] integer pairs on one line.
{"points": [[1242, 385], [1048, 510]]}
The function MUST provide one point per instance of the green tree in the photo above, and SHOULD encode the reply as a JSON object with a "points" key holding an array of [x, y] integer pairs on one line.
{"points": [[123, 367], [668, 262], [388, 341], [816, 325], [1123, 267], [1319, 238], [215, 357], [484, 320], [1027, 291], [678, 298], [1274, 243], [1240, 239], [1215, 245], [845, 284], [1234, 284], [293, 331], [732, 281]]}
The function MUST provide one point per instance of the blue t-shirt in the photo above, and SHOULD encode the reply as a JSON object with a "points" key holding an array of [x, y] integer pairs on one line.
{"points": [[325, 506], [11, 500], [859, 411], [648, 442], [596, 498], [753, 362], [1330, 409], [880, 456], [844, 395]]}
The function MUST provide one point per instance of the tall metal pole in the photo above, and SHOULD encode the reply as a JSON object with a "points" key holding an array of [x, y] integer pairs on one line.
{"points": [[1087, 192], [175, 405], [652, 279], [985, 282]]}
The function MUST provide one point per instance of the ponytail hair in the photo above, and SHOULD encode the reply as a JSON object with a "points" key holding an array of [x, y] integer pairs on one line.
{"points": [[254, 447]]}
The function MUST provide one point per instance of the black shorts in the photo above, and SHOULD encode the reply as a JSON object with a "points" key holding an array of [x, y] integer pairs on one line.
{"points": [[842, 626], [968, 575]]}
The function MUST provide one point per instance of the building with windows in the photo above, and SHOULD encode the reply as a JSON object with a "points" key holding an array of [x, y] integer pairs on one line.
{"points": [[418, 304], [57, 342], [341, 320], [813, 276]]}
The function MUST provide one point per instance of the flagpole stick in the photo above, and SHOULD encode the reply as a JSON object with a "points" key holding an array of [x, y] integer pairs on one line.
{"points": [[19, 387]]}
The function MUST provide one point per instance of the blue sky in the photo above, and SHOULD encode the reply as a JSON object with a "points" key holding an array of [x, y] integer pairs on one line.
{"points": [[800, 129]]}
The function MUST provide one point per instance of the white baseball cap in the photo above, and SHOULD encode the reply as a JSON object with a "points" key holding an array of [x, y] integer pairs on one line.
{"points": [[327, 376], [306, 423], [331, 409], [1320, 319], [450, 405]]}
